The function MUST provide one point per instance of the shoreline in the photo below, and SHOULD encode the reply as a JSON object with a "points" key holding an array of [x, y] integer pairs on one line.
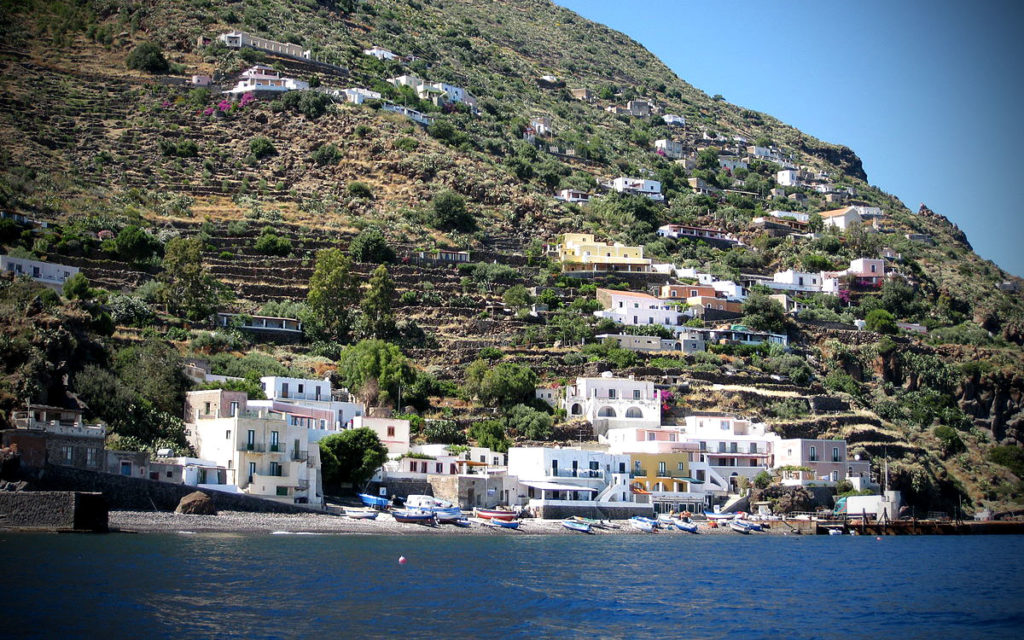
{"points": [[324, 524]]}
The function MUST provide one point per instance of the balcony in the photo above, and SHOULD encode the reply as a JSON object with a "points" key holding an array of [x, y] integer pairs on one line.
{"points": [[575, 473], [253, 447], [300, 456], [276, 447], [638, 473]]}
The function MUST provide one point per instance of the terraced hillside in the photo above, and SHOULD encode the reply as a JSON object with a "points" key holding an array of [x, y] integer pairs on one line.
{"points": [[98, 151]]}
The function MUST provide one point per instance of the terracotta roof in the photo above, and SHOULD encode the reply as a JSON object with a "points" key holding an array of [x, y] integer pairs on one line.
{"points": [[632, 294], [835, 212]]}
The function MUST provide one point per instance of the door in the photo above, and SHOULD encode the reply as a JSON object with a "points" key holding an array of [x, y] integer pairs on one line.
{"points": [[554, 468], [126, 468], [575, 466], [250, 442], [284, 389], [252, 470]]}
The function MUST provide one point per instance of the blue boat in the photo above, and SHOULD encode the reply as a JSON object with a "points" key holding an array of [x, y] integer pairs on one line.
{"points": [[377, 502], [413, 516], [574, 525], [505, 524], [689, 527]]}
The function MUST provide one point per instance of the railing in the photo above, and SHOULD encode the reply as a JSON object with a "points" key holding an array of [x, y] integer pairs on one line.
{"points": [[578, 473], [638, 473], [255, 447], [276, 448], [300, 456]]}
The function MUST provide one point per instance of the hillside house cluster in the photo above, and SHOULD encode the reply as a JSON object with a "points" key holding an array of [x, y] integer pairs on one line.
{"points": [[637, 186], [712, 236], [438, 93], [51, 274], [581, 253]]}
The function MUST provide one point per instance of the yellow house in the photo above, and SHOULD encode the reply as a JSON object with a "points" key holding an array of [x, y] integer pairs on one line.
{"points": [[667, 477], [580, 252]]}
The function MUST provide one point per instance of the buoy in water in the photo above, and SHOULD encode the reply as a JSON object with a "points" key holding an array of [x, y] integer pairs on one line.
{"points": [[401, 560], [879, 538]]}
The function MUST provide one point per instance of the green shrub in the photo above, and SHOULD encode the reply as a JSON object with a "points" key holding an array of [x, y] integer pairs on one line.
{"points": [[261, 147], [371, 246], [270, 243], [1010, 457], [450, 213], [880, 321], [327, 154], [147, 56], [407, 144], [359, 190]]}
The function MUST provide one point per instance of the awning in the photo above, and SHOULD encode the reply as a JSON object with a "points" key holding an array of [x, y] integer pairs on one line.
{"points": [[551, 486], [691, 480]]}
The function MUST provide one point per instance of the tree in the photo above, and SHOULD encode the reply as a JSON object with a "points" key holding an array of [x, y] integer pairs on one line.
{"points": [[377, 319], [375, 362], [880, 321], [815, 222], [949, 439], [332, 293], [261, 147], [505, 384], [707, 159], [371, 246], [517, 297], [77, 287], [147, 56], [762, 480], [761, 313], [351, 457], [153, 369], [271, 244], [450, 212], [444, 432], [188, 287], [490, 434], [359, 190], [134, 245], [529, 422]]}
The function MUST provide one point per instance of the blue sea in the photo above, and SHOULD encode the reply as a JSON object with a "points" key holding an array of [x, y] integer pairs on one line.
{"points": [[666, 586]]}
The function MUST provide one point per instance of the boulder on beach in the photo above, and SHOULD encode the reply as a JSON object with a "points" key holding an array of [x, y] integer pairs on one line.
{"points": [[196, 503]]}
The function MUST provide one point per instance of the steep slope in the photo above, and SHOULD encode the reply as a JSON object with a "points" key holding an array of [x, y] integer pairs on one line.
{"points": [[95, 146]]}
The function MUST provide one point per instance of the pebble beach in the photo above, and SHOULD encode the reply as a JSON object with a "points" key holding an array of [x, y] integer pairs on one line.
{"points": [[274, 523]]}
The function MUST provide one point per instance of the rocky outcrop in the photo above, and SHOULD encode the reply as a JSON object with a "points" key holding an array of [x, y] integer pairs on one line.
{"points": [[196, 503]]}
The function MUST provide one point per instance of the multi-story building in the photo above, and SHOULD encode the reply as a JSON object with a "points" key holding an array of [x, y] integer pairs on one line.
{"points": [[733, 447], [392, 432], [684, 341], [267, 457], [669, 148], [56, 435], [580, 253], [569, 481], [638, 186], [608, 402], [260, 78], [826, 460], [634, 308]]}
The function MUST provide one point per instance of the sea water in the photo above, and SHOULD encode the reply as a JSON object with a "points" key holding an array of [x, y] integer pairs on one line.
{"points": [[666, 586]]}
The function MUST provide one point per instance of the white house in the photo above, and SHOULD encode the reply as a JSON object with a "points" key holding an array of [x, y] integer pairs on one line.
{"points": [[412, 114], [684, 341], [733, 447], [393, 432], [795, 215], [355, 95], [698, 233], [842, 219], [262, 78], [49, 273], [793, 280], [731, 163], [456, 94], [239, 39], [541, 125], [669, 148], [380, 53], [266, 456], [573, 195], [674, 120], [608, 402], [407, 81], [569, 481], [789, 178], [635, 308], [638, 186]]}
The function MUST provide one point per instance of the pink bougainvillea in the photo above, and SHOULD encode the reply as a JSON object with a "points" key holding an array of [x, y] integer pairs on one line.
{"points": [[208, 111], [247, 99], [224, 106], [165, 104]]}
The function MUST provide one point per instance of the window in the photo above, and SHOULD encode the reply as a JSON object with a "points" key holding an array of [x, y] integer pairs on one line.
{"points": [[700, 475], [679, 466], [282, 491], [725, 425], [611, 394], [275, 469], [636, 394], [274, 442], [300, 388], [721, 447], [90, 457], [250, 442], [622, 467], [703, 446], [438, 467], [661, 469], [651, 435], [814, 454], [234, 409], [733, 447], [67, 453], [284, 389], [391, 432], [169, 474], [227, 434], [835, 454], [753, 447], [206, 408]]}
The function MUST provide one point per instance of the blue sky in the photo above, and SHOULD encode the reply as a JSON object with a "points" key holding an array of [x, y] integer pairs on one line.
{"points": [[930, 95]]}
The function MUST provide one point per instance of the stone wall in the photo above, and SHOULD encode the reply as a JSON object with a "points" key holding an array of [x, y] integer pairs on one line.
{"points": [[558, 512], [401, 488], [53, 510], [140, 494]]}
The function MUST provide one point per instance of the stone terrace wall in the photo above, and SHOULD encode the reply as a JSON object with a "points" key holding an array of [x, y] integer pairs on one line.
{"points": [[140, 494]]}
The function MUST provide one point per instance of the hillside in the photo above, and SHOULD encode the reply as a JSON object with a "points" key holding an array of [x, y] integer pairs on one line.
{"points": [[120, 162]]}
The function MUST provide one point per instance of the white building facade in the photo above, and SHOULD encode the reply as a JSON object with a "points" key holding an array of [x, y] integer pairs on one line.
{"points": [[608, 402]]}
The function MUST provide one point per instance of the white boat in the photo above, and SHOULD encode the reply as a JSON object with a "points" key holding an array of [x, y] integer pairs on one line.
{"points": [[574, 525], [739, 528], [753, 526], [720, 517], [835, 532], [682, 525], [444, 510], [643, 524], [361, 514]]}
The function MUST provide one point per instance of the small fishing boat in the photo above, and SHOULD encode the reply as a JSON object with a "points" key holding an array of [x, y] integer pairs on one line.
{"points": [[461, 522], [739, 528], [682, 525], [504, 524], [753, 526], [597, 524], [496, 514], [719, 517], [360, 514], [836, 531], [574, 525], [377, 502], [413, 516], [444, 510], [643, 524]]}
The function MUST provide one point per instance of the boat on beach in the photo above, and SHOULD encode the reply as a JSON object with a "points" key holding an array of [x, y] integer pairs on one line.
{"points": [[360, 514], [682, 525], [413, 516], [739, 528], [377, 502], [752, 526], [643, 524], [720, 517], [496, 514], [574, 525], [444, 510], [504, 524]]}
